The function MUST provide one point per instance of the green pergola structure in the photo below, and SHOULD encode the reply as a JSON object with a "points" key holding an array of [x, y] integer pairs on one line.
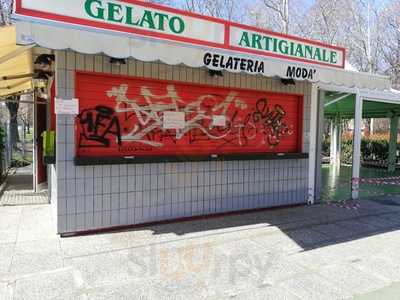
{"points": [[340, 106]]}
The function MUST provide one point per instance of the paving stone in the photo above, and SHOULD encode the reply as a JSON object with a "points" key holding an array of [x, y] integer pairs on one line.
{"points": [[313, 286], [131, 290], [265, 293], [347, 278], [37, 224], [92, 244], [10, 218], [282, 268], [6, 254], [387, 269], [389, 292], [8, 236], [215, 271], [110, 268], [277, 243], [307, 237], [379, 222], [393, 217], [318, 257], [333, 230], [6, 291], [188, 286], [47, 285], [37, 256], [9, 221]]}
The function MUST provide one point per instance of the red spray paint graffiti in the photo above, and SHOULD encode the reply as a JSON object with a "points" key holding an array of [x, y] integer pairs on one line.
{"points": [[122, 116]]}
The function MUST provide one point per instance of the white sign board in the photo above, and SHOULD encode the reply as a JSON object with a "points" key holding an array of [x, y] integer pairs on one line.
{"points": [[174, 120], [140, 18], [136, 17], [67, 107], [219, 121]]}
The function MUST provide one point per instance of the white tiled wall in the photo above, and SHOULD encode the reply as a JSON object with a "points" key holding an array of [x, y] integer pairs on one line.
{"points": [[95, 197]]}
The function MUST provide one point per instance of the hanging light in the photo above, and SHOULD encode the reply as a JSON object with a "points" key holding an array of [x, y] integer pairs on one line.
{"points": [[45, 60], [117, 61], [288, 81], [215, 73], [41, 79]]}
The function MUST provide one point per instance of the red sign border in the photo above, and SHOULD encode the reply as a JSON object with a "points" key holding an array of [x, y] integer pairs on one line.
{"points": [[227, 24], [300, 136]]}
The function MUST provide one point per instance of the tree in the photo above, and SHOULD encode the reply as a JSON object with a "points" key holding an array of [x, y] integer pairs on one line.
{"points": [[352, 24], [13, 101], [285, 16], [323, 21], [390, 36], [6, 7], [164, 2], [13, 106], [365, 40], [226, 9], [25, 116], [281, 9]]}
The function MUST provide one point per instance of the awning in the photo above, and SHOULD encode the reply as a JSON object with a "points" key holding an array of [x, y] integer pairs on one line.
{"points": [[119, 45], [15, 64], [151, 32], [343, 105]]}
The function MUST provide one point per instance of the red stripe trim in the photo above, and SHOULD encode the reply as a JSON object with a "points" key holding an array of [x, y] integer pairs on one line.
{"points": [[164, 36], [18, 6], [227, 35]]}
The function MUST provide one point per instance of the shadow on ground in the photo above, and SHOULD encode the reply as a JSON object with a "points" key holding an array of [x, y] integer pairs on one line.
{"points": [[310, 227], [299, 253]]}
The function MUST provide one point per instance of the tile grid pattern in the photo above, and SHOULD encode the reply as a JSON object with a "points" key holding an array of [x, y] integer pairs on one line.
{"points": [[96, 197]]}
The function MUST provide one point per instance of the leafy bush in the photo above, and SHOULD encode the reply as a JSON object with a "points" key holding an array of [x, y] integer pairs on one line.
{"points": [[326, 146], [375, 149], [372, 148], [347, 151]]}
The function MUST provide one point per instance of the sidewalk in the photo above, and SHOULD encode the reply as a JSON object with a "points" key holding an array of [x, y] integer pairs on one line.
{"points": [[318, 252], [19, 190]]}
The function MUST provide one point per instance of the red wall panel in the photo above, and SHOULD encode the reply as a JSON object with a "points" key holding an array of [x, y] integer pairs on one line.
{"points": [[124, 116]]}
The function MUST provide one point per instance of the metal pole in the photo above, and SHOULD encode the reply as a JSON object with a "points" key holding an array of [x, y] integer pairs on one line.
{"points": [[355, 183], [338, 140], [34, 144], [394, 125], [9, 146], [332, 146], [313, 144], [23, 140]]}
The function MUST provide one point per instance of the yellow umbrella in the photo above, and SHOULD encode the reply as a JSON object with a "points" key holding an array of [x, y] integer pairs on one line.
{"points": [[16, 65]]}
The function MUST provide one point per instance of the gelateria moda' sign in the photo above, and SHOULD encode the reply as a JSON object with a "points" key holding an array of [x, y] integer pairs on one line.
{"points": [[160, 22], [255, 66]]}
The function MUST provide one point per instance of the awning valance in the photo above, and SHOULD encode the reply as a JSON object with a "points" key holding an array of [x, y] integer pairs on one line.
{"points": [[148, 50]]}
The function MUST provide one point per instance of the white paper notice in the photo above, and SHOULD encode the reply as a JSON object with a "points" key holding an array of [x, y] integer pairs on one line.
{"points": [[219, 121], [67, 107], [174, 120]]}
